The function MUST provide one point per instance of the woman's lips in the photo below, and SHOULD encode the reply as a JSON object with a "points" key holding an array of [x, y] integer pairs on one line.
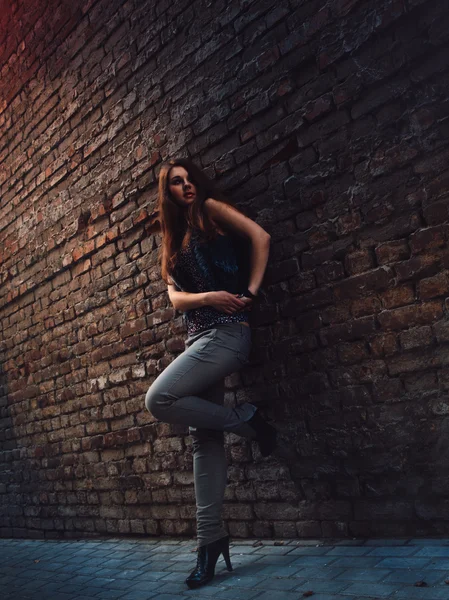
{"points": [[188, 194]]}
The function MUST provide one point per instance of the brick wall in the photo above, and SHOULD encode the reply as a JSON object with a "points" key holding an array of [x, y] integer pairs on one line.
{"points": [[328, 124]]}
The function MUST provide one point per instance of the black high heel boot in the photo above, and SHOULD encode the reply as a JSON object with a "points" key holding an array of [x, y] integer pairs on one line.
{"points": [[266, 434], [206, 561]]}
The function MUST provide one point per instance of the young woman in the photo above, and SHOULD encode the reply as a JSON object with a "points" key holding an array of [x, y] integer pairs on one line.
{"points": [[213, 259]]}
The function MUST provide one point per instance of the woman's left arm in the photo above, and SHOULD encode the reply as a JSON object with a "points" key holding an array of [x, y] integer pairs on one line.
{"points": [[243, 225]]}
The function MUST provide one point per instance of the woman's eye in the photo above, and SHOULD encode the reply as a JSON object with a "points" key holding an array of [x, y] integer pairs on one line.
{"points": [[179, 181]]}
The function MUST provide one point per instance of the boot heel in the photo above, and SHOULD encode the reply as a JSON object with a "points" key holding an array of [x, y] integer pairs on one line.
{"points": [[227, 558], [207, 557]]}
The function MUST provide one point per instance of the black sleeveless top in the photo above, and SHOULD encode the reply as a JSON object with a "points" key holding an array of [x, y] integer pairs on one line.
{"points": [[207, 265]]}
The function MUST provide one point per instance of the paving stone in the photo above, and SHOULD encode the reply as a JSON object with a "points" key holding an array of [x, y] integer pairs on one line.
{"points": [[433, 551], [325, 596], [309, 551], [276, 583], [145, 586], [438, 563], [421, 593], [184, 557], [387, 542], [361, 562], [82, 580], [172, 588], [411, 576], [140, 595], [55, 596], [243, 582], [216, 585], [318, 573], [167, 548], [138, 555], [314, 561], [275, 571], [428, 542], [85, 571], [249, 559], [382, 590], [237, 594], [113, 562], [363, 574], [151, 575], [234, 549], [66, 568], [120, 584], [272, 560], [113, 573], [77, 589], [404, 563], [32, 574], [137, 565], [162, 565], [270, 550], [344, 542], [250, 568], [74, 560], [61, 577], [317, 585], [108, 593], [278, 595], [393, 551], [348, 551], [32, 584], [169, 597], [182, 567]]}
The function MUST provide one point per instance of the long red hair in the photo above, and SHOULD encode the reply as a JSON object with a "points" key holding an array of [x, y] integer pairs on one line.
{"points": [[177, 223]]}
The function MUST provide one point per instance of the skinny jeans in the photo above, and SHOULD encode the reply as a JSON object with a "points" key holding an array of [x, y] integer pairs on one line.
{"points": [[190, 391]]}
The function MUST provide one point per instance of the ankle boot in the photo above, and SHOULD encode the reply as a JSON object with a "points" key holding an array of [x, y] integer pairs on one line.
{"points": [[206, 560], [266, 434]]}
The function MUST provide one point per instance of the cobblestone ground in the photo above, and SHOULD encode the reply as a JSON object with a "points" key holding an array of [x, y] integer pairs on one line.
{"points": [[134, 569]]}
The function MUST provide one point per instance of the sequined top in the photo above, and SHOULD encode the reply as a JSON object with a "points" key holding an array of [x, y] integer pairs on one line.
{"points": [[204, 266]]}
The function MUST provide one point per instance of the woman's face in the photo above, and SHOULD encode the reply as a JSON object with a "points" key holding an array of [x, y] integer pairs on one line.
{"points": [[181, 187]]}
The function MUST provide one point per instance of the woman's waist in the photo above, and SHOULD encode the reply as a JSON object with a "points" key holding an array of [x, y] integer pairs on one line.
{"points": [[202, 318]]}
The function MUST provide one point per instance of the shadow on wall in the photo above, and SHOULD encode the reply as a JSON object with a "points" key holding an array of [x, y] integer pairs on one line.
{"points": [[11, 468]]}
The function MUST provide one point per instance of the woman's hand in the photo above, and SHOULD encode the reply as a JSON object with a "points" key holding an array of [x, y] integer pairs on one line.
{"points": [[248, 303], [226, 302]]}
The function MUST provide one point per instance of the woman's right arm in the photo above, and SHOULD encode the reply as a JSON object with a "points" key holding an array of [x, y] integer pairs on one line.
{"points": [[222, 301]]}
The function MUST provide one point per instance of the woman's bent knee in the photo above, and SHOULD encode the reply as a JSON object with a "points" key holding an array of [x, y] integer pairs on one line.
{"points": [[157, 403], [152, 403]]}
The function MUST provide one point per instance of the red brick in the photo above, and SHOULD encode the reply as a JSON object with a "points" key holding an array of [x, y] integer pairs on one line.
{"points": [[417, 314], [391, 252], [384, 344], [416, 338], [433, 287], [358, 262], [398, 296]]}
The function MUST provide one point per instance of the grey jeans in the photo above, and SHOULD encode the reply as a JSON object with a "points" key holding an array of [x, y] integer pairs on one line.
{"points": [[190, 391]]}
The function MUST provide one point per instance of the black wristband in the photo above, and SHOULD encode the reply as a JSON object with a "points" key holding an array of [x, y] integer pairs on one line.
{"points": [[248, 294]]}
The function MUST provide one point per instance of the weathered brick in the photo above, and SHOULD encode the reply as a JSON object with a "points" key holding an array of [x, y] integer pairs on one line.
{"points": [[432, 287], [398, 296], [358, 285], [348, 331], [415, 338], [391, 252], [404, 317], [384, 344]]}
